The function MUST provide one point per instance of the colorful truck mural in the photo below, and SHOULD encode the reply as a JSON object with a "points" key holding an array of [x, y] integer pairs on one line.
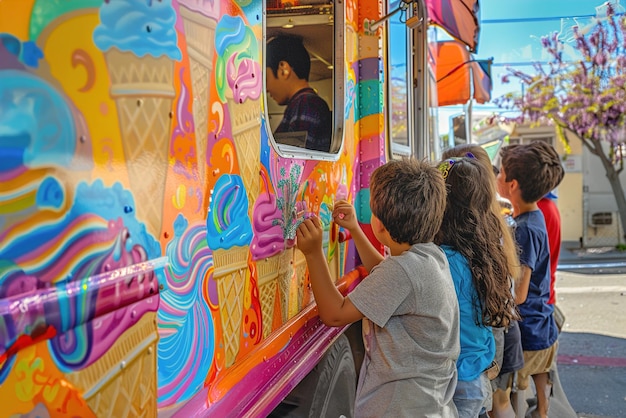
{"points": [[147, 215]]}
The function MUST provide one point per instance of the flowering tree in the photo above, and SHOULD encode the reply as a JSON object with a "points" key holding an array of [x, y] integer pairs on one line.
{"points": [[586, 98]]}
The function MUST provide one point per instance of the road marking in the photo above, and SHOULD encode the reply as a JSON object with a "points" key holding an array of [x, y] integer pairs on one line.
{"points": [[585, 276], [591, 361], [607, 265], [591, 289]]}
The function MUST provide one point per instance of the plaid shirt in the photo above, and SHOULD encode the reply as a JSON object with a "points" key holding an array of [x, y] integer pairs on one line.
{"points": [[306, 111]]}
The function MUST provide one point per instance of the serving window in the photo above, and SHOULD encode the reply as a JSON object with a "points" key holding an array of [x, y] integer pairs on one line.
{"points": [[313, 129]]}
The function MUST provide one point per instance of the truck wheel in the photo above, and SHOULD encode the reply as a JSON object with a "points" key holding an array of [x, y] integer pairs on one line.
{"points": [[329, 390]]}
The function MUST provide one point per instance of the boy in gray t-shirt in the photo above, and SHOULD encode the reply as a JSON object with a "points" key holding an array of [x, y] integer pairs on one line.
{"points": [[408, 303]]}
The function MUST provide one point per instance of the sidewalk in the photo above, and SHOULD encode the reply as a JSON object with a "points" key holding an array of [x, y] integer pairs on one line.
{"points": [[597, 260], [592, 346]]}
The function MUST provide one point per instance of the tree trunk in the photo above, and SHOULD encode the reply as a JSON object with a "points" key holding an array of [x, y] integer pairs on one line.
{"points": [[618, 191], [620, 198]]}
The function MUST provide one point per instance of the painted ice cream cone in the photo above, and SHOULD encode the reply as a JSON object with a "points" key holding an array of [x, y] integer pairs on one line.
{"points": [[228, 235], [300, 267], [113, 353], [247, 137], [230, 275], [200, 20], [140, 60], [268, 282], [267, 249], [285, 274], [123, 382], [237, 48], [143, 92]]}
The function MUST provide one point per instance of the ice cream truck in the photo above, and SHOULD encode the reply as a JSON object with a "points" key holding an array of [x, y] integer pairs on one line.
{"points": [[148, 264]]}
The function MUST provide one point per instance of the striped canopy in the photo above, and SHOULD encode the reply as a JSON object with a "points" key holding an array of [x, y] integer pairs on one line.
{"points": [[457, 17]]}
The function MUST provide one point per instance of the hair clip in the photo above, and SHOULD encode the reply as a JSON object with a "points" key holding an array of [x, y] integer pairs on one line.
{"points": [[445, 166]]}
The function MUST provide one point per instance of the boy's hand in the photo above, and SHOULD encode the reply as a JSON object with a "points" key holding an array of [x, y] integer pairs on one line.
{"points": [[309, 236], [344, 215]]}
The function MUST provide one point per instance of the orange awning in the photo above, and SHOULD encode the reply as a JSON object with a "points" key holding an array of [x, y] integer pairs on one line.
{"points": [[459, 76]]}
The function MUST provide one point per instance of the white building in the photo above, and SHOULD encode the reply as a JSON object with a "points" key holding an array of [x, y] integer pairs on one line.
{"points": [[586, 202]]}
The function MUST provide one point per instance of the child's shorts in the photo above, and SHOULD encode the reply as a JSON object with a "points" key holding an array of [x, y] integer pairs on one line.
{"points": [[504, 382], [536, 362]]}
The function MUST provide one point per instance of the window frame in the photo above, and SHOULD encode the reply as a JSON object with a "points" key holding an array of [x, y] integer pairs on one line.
{"points": [[338, 94]]}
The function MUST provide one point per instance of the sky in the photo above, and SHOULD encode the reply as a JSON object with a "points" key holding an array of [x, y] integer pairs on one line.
{"points": [[510, 33]]}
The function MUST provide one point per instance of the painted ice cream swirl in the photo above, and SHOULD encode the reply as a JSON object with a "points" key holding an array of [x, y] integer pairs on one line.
{"points": [[244, 79], [228, 224], [209, 8], [234, 43], [268, 233], [142, 27]]}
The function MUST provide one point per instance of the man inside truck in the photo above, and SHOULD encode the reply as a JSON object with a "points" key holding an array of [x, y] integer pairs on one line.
{"points": [[307, 115]]}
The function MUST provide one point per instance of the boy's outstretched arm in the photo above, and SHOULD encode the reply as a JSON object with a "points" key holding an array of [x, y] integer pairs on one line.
{"points": [[334, 309], [344, 215]]}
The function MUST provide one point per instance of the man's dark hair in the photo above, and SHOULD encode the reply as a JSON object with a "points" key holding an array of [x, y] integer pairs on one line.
{"points": [[409, 198], [536, 167], [291, 50]]}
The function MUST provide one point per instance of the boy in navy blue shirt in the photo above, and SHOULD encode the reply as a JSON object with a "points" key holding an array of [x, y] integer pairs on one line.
{"points": [[527, 173]]}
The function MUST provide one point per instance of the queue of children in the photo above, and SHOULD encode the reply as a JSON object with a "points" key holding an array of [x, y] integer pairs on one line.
{"points": [[452, 285], [509, 356], [470, 236]]}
